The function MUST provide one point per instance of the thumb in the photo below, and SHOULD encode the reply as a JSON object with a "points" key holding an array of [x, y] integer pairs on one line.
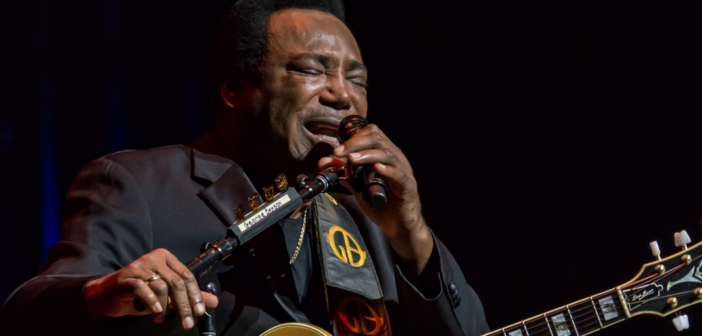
{"points": [[211, 300]]}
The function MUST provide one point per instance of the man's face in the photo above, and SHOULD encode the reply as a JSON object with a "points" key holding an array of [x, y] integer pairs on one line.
{"points": [[312, 77]]}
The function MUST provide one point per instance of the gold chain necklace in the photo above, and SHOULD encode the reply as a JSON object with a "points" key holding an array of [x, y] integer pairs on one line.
{"points": [[302, 236]]}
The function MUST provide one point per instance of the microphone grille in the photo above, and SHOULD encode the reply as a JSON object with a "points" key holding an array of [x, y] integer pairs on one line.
{"points": [[350, 125]]}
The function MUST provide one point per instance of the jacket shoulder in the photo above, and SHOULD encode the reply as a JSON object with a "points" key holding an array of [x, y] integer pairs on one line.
{"points": [[153, 162], [153, 155]]}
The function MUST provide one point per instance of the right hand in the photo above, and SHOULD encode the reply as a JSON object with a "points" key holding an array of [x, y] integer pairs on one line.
{"points": [[113, 294]]}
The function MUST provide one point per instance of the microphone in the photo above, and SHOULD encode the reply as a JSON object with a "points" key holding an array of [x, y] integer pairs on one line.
{"points": [[365, 179]]}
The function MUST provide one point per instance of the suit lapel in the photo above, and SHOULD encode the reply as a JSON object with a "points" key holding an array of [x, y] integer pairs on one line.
{"points": [[207, 168], [228, 186], [231, 189]]}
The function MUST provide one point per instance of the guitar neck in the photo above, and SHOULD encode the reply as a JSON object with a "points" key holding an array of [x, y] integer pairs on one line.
{"points": [[582, 317]]}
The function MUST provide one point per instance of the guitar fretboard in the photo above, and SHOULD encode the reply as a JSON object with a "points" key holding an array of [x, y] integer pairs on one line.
{"points": [[579, 318]]}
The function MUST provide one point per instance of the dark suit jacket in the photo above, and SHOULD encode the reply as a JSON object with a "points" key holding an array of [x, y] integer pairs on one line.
{"points": [[127, 204]]}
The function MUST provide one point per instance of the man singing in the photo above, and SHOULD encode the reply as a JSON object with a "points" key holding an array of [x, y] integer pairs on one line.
{"points": [[286, 74]]}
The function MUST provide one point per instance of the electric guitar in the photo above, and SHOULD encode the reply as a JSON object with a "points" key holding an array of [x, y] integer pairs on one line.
{"points": [[662, 288]]}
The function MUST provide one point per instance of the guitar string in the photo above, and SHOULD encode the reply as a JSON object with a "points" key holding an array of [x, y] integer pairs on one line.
{"points": [[652, 280], [530, 325], [666, 296], [644, 279], [542, 322], [649, 280], [665, 274], [531, 330], [573, 317], [582, 328], [548, 331], [597, 313]]}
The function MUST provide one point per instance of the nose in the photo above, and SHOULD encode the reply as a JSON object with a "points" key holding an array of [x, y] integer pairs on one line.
{"points": [[336, 94]]}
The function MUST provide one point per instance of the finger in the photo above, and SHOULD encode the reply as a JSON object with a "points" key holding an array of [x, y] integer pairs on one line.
{"points": [[370, 137], [385, 156], [191, 284], [143, 293], [140, 270], [211, 301], [400, 184], [178, 293], [371, 128], [160, 288], [327, 162]]}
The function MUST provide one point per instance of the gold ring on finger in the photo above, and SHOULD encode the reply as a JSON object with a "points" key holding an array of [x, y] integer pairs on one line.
{"points": [[153, 278]]}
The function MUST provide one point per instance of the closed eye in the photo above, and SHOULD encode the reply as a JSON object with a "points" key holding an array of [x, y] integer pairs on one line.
{"points": [[304, 71], [358, 81], [311, 72]]}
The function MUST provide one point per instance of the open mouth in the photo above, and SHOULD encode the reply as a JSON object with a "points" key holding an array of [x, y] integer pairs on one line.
{"points": [[323, 132]]}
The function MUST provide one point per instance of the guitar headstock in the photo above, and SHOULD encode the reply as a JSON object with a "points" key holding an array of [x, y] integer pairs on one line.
{"points": [[668, 285]]}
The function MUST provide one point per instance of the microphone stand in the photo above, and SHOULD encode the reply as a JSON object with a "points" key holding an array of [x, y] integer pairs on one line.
{"points": [[239, 233]]}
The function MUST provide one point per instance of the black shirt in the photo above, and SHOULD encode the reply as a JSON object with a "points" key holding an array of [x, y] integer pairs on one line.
{"points": [[307, 276]]}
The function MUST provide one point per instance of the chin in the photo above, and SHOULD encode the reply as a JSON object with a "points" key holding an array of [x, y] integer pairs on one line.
{"points": [[299, 148], [306, 155]]}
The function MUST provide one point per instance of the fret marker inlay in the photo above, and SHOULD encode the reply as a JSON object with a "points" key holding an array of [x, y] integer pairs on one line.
{"points": [[560, 324], [608, 308]]}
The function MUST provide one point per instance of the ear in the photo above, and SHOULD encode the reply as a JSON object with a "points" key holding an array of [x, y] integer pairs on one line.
{"points": [[229, 97]]}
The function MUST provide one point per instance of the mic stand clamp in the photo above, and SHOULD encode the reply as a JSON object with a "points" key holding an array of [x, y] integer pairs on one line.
{"points": [[207, 280]]}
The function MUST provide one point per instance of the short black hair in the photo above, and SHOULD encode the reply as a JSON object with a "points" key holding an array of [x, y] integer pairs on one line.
{"points": [[241, 41]]}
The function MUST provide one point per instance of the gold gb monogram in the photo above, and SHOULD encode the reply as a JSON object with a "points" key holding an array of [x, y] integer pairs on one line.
{"points": [[346, 253], [359, 317]]}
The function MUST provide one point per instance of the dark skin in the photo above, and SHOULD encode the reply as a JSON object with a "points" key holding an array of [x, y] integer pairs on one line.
{"points": [[311, 78]]}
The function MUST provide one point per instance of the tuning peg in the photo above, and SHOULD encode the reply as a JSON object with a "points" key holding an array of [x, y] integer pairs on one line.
{"points": [[672, 302], [685, 237], [655, 249], [681, 322], [660, 269], [682, 239]]}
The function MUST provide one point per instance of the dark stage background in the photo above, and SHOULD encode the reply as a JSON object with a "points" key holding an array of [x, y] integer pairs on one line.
{"points": [[551, 141]]}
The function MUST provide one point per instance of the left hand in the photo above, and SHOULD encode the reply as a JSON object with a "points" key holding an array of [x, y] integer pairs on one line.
{"points": [[401, 219]]}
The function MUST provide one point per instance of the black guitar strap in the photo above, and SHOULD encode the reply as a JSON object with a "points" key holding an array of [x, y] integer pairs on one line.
{"points": [[354, 297]]}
